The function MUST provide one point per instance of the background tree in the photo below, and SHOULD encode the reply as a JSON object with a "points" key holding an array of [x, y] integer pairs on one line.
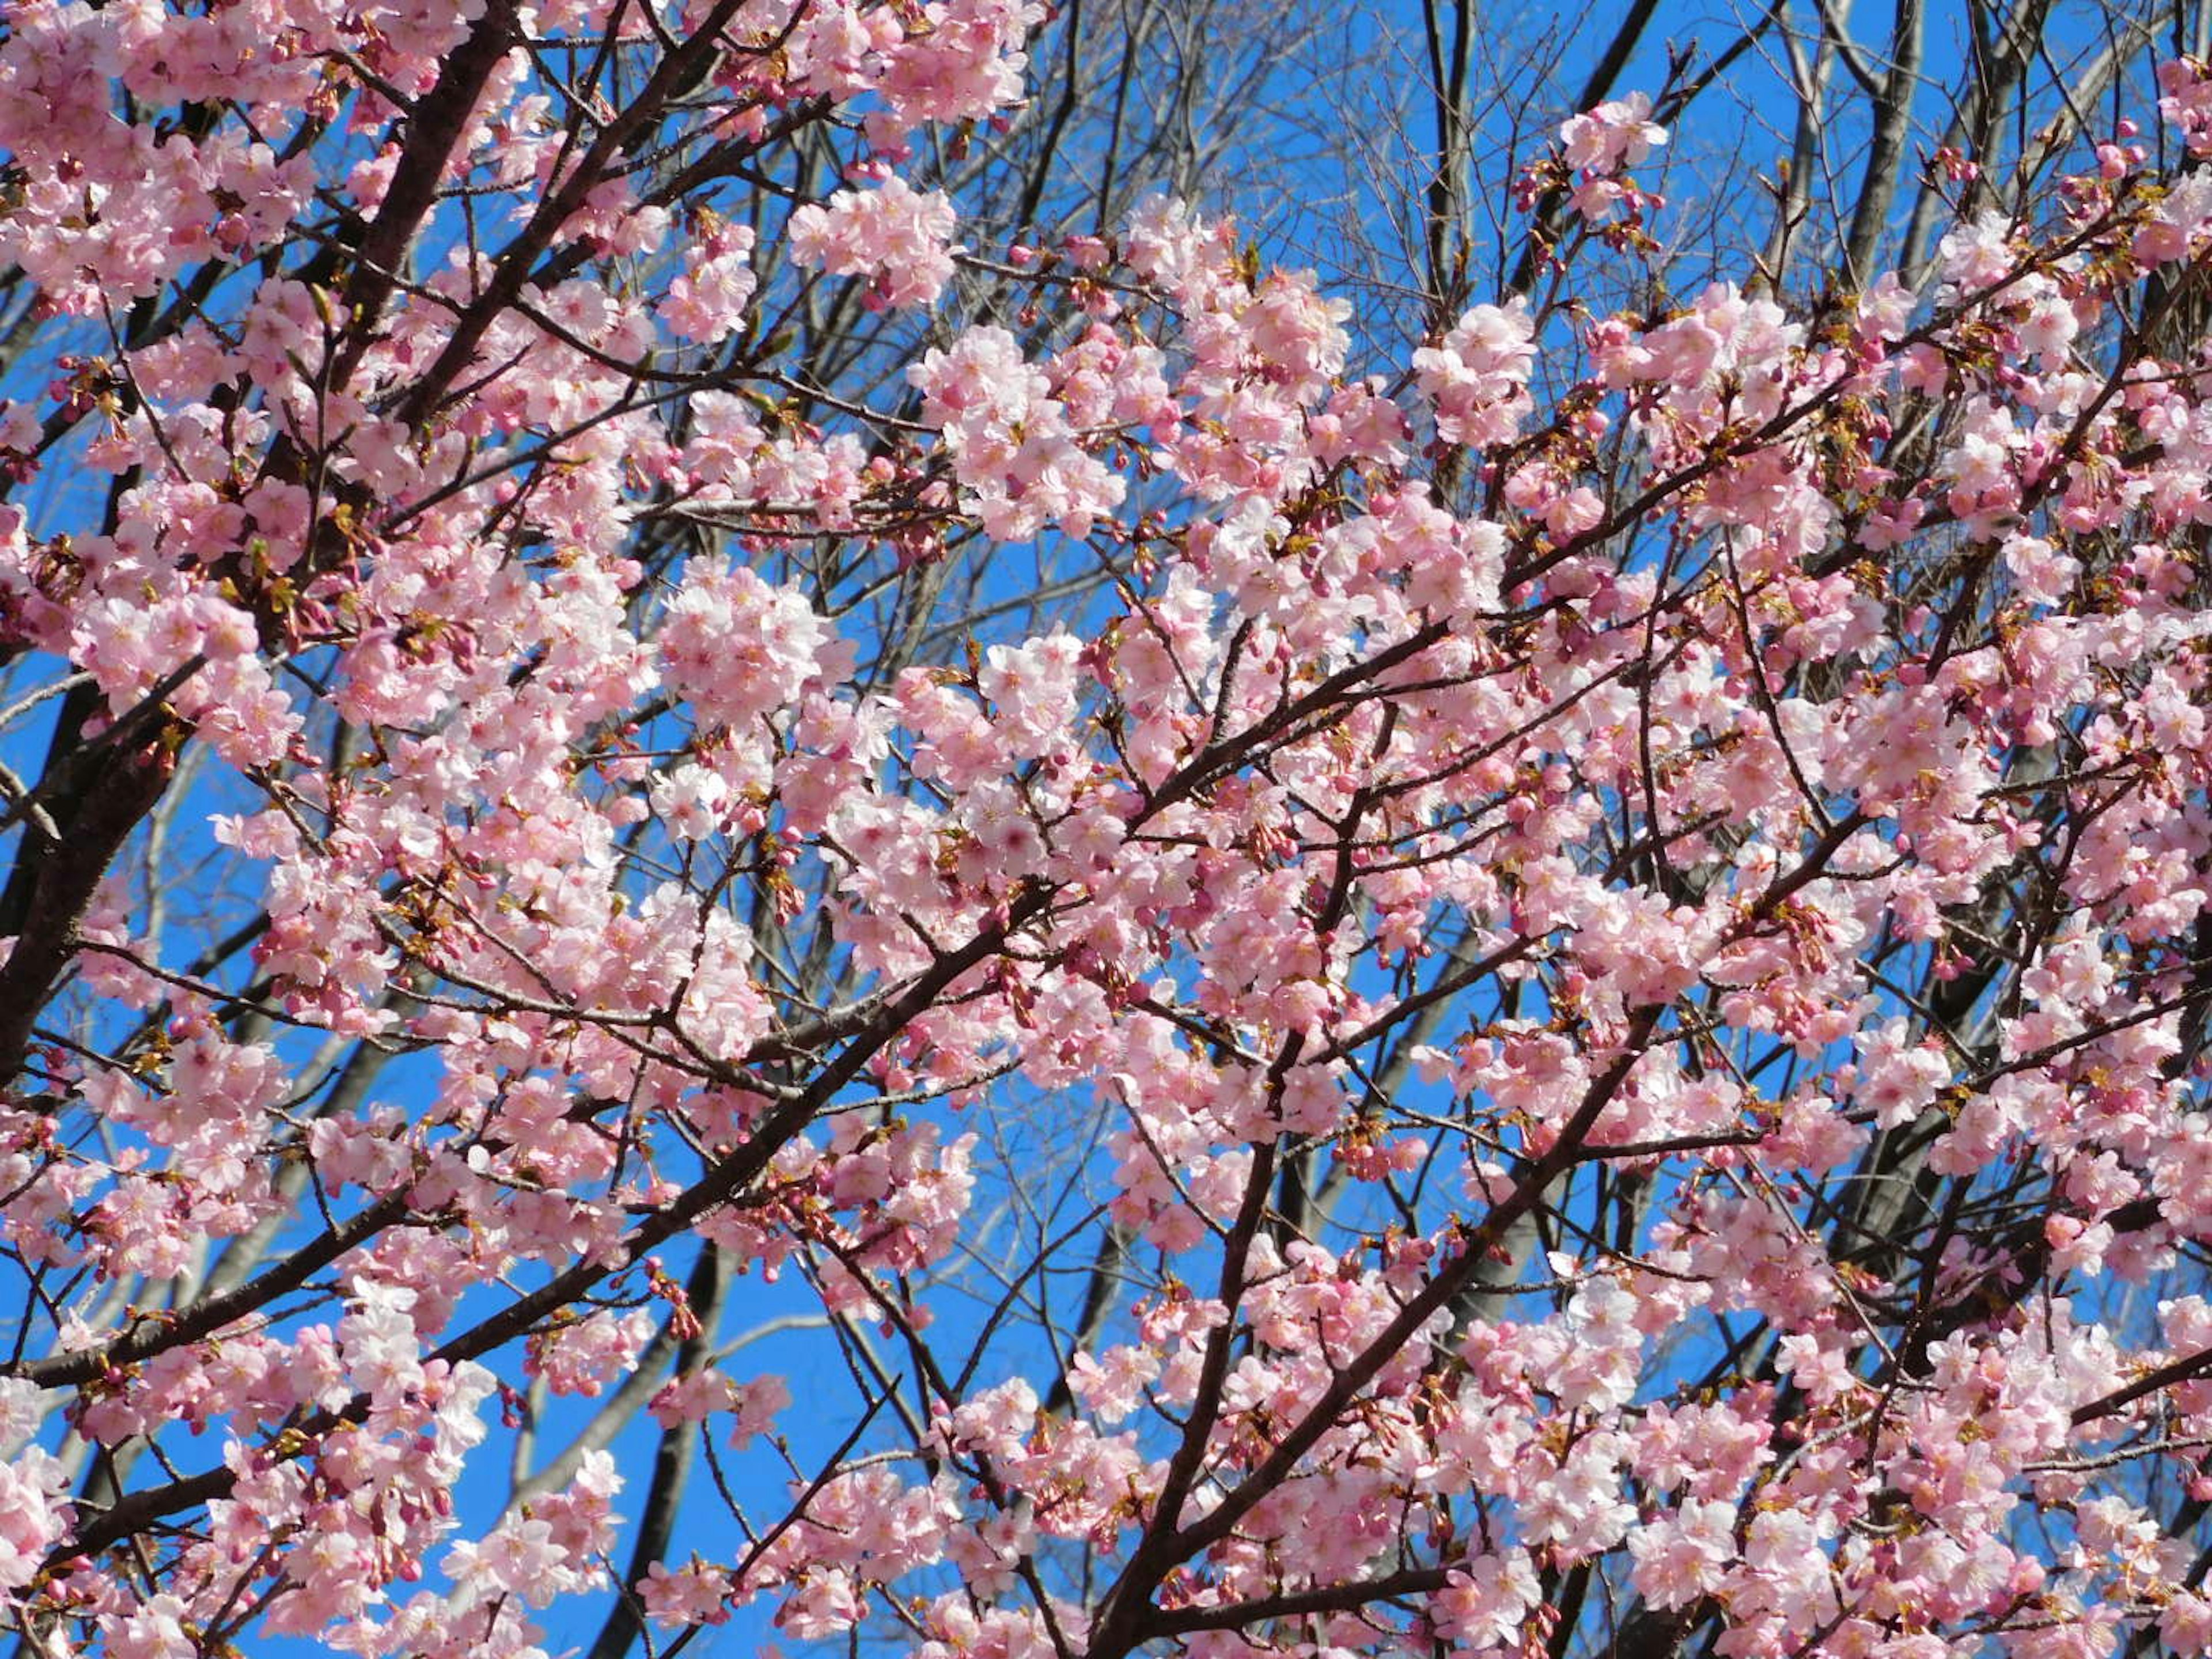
{"points": [[744, 793]]}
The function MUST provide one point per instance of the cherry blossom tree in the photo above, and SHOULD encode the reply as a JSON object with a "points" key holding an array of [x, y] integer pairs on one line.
{"points": [[779, 852]]}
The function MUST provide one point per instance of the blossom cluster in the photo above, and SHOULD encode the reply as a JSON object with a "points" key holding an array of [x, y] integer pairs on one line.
{"points": [[1728, 808]]}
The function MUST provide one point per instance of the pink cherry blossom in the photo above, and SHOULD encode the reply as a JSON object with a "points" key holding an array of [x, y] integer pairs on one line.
{"points": [[1121, 949]]}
